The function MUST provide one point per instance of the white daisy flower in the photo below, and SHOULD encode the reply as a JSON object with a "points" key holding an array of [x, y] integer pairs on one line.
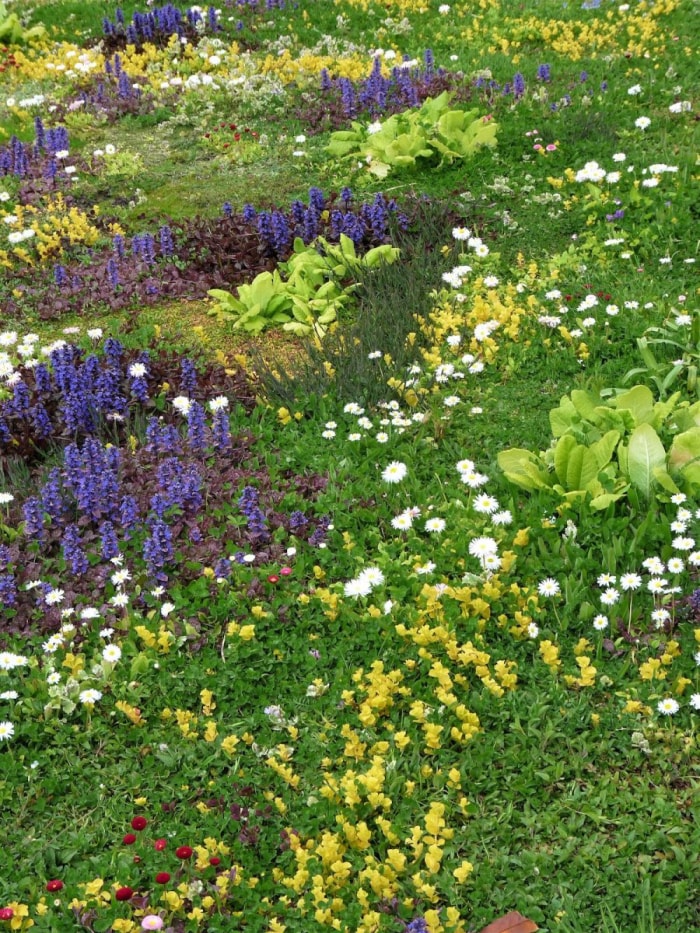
{"points": [[435, 525], [485, 504], [548, 587], [395, 472]]}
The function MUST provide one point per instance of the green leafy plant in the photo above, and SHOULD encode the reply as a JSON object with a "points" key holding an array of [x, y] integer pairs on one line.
{"points": [[12, 32], [431, 135], [317, 286], [603, 449]]}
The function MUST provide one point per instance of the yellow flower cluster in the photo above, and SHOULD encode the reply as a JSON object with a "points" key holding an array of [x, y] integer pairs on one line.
{"points": [[635, 32], [398, 6], [55, 225], [307, 64]]}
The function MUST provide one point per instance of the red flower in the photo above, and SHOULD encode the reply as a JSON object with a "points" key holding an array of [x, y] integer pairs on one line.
{"points": [[215, 860], [54, 885], [162, 877], [273, 578], [124, 894], [160, 844], [6, 913], [129, 839], [139, 822], [184, 852]]}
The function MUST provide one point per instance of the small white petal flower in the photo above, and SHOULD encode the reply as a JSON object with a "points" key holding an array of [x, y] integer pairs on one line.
{"points": [[395, 472], [435, 525], [548, 587], [111, 653]]}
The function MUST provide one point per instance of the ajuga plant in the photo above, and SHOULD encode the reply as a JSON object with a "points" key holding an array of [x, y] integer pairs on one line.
{"points": [[139, 442], [157, 26], [409, 85]]}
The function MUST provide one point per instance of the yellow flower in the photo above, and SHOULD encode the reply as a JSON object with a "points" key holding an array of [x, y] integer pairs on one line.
{"points": [[229, 744], [463, 871], [172, 899]]}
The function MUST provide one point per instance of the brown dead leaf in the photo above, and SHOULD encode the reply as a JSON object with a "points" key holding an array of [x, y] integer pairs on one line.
{"points": [[512, 922]]}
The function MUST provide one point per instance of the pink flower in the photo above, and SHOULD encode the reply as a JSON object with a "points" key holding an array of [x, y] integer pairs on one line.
{"points": [[152, 922], [6, 913]]}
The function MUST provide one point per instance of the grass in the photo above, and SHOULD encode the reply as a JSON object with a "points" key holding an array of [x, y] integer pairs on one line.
{"points": [[436, 750]]}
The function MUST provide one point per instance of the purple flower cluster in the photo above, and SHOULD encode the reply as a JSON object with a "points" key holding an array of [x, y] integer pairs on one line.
{"points": [[8, 584], [38, 159], [368, 223], [405, 87], [157, 25], [141, 505], [69, 399], [248, 503]]}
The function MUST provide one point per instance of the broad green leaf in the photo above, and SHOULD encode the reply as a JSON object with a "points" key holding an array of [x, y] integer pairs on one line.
{"points": [[645, 453], [296, 327], [639, 400], [562, 418], [603, 449], [581, 468], [585, 403], [663, 478], [562, 454], [522, 468], [607, 498]]}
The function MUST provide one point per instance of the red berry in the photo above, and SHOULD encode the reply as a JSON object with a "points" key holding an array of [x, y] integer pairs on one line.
{"points": [[6, 913], [54, 885], [139, 822], [160, 844], [184, 852], [124, 894], [215, 860], [137, 859], [129, 839], [162, 877]]}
